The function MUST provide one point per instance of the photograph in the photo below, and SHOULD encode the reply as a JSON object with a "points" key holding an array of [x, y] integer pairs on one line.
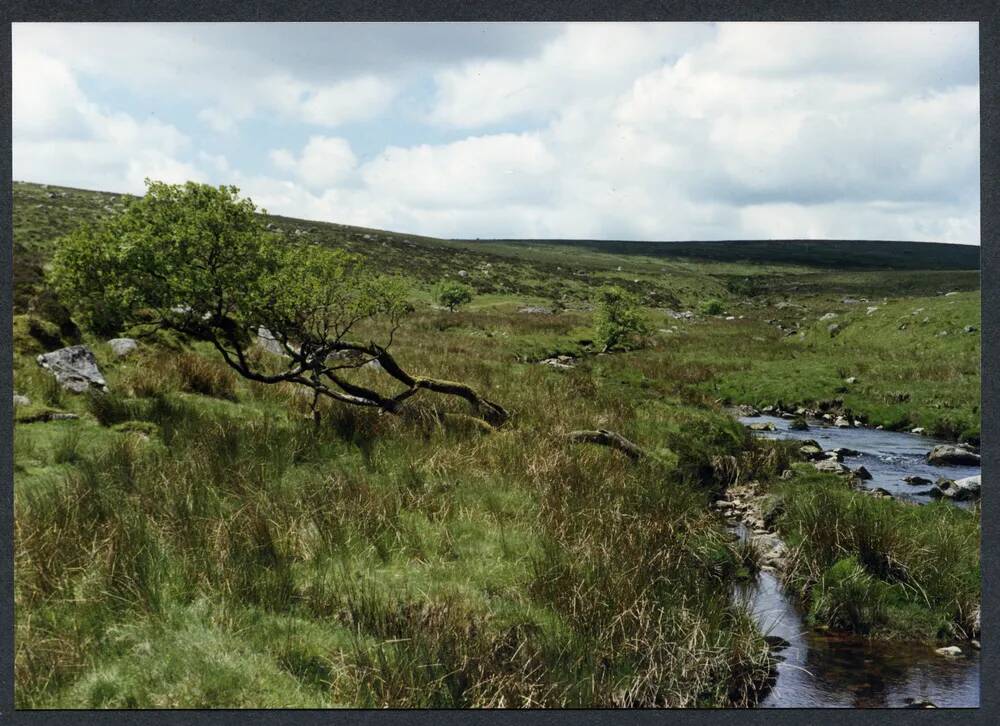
{"points": [[496, 365]]}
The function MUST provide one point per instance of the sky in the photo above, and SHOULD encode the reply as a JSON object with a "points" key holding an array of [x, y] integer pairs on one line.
{"points": [[647, 131]]}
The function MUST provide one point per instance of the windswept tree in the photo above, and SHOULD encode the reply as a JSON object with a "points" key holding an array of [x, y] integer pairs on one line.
{"points": [[618, 318], [453, 295], [195, 259]]}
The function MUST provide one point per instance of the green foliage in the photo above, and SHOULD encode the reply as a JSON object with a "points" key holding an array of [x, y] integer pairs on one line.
{"points": [[618, 318], [712, 306], [195, 258], [452, 294], [877, 565]]}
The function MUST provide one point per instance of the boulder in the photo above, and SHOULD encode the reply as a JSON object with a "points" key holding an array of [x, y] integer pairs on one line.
{"points": [[881, 493], [765, 426], [947, 454], [862, 473], [844, 451], [559, 361], [267, 341], [961, 489], [951, 651], [747, 410], [121, 347], [798, 424], [842, 423], [811, 451], [917, 481], [75, 368], [830, 466]]}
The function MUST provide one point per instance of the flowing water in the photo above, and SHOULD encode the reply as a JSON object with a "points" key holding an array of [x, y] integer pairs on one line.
{"points": [[887, 455], [821, 670]]}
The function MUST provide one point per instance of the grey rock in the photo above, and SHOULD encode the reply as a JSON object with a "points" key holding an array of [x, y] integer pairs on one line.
{"points": [[830, 466], [970, 329], [951, 651], [20, 400], [765, 426], [917, 481], [267, 341], [960, 489], [862, 473], [842, 423], [833, 329], [121, 347], [75, 368], [945, 454], [535, 310]]}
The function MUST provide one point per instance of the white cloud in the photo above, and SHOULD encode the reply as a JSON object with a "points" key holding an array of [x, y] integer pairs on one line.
{"points": [[324, 162], [649, 131], [60, 136], [354, 100]]}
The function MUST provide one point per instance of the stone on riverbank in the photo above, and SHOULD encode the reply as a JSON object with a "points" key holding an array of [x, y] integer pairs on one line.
{"points": [[946, 454]]}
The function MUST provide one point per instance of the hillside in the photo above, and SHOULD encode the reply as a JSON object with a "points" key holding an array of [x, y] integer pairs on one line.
{"points": [[194, 538], [825, 253]]}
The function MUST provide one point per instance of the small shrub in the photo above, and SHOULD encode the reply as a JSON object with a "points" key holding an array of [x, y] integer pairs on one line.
{"points": [[453, 295], [618, 318], [712, 306]]}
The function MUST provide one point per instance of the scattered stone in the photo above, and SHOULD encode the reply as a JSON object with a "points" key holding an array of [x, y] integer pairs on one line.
{"points": [[20, 400], [828, 316], [798, 424], [121, 347], [747, 410], [75, 368], [559, 361], [871, 309], [852, 380], [919, 430], [951, 651], [862, 473], [765, 426], [830, 466], [917, 481], [463, 273], [881, 493], [535, 310], [975, 644], [842, 423], [833, 329], [949, 294], [969, 329], [946, 454]]}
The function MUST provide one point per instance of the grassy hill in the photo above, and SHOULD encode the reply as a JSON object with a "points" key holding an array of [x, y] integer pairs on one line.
{"points": [[192, 540], [826, 253]]}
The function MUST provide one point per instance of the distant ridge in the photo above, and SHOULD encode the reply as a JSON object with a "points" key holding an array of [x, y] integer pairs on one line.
{"points": [[827, 253]]}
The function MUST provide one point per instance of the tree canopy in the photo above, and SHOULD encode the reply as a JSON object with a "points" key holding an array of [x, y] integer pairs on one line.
{"points": [[196, 259], [453, 294]]}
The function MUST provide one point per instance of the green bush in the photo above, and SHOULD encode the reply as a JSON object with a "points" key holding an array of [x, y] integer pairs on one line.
{"points": [[712, 306], [453, 295], [618, 318]]}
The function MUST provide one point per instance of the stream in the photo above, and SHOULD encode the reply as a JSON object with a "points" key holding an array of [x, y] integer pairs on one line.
{"points": [[825, 670]]}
